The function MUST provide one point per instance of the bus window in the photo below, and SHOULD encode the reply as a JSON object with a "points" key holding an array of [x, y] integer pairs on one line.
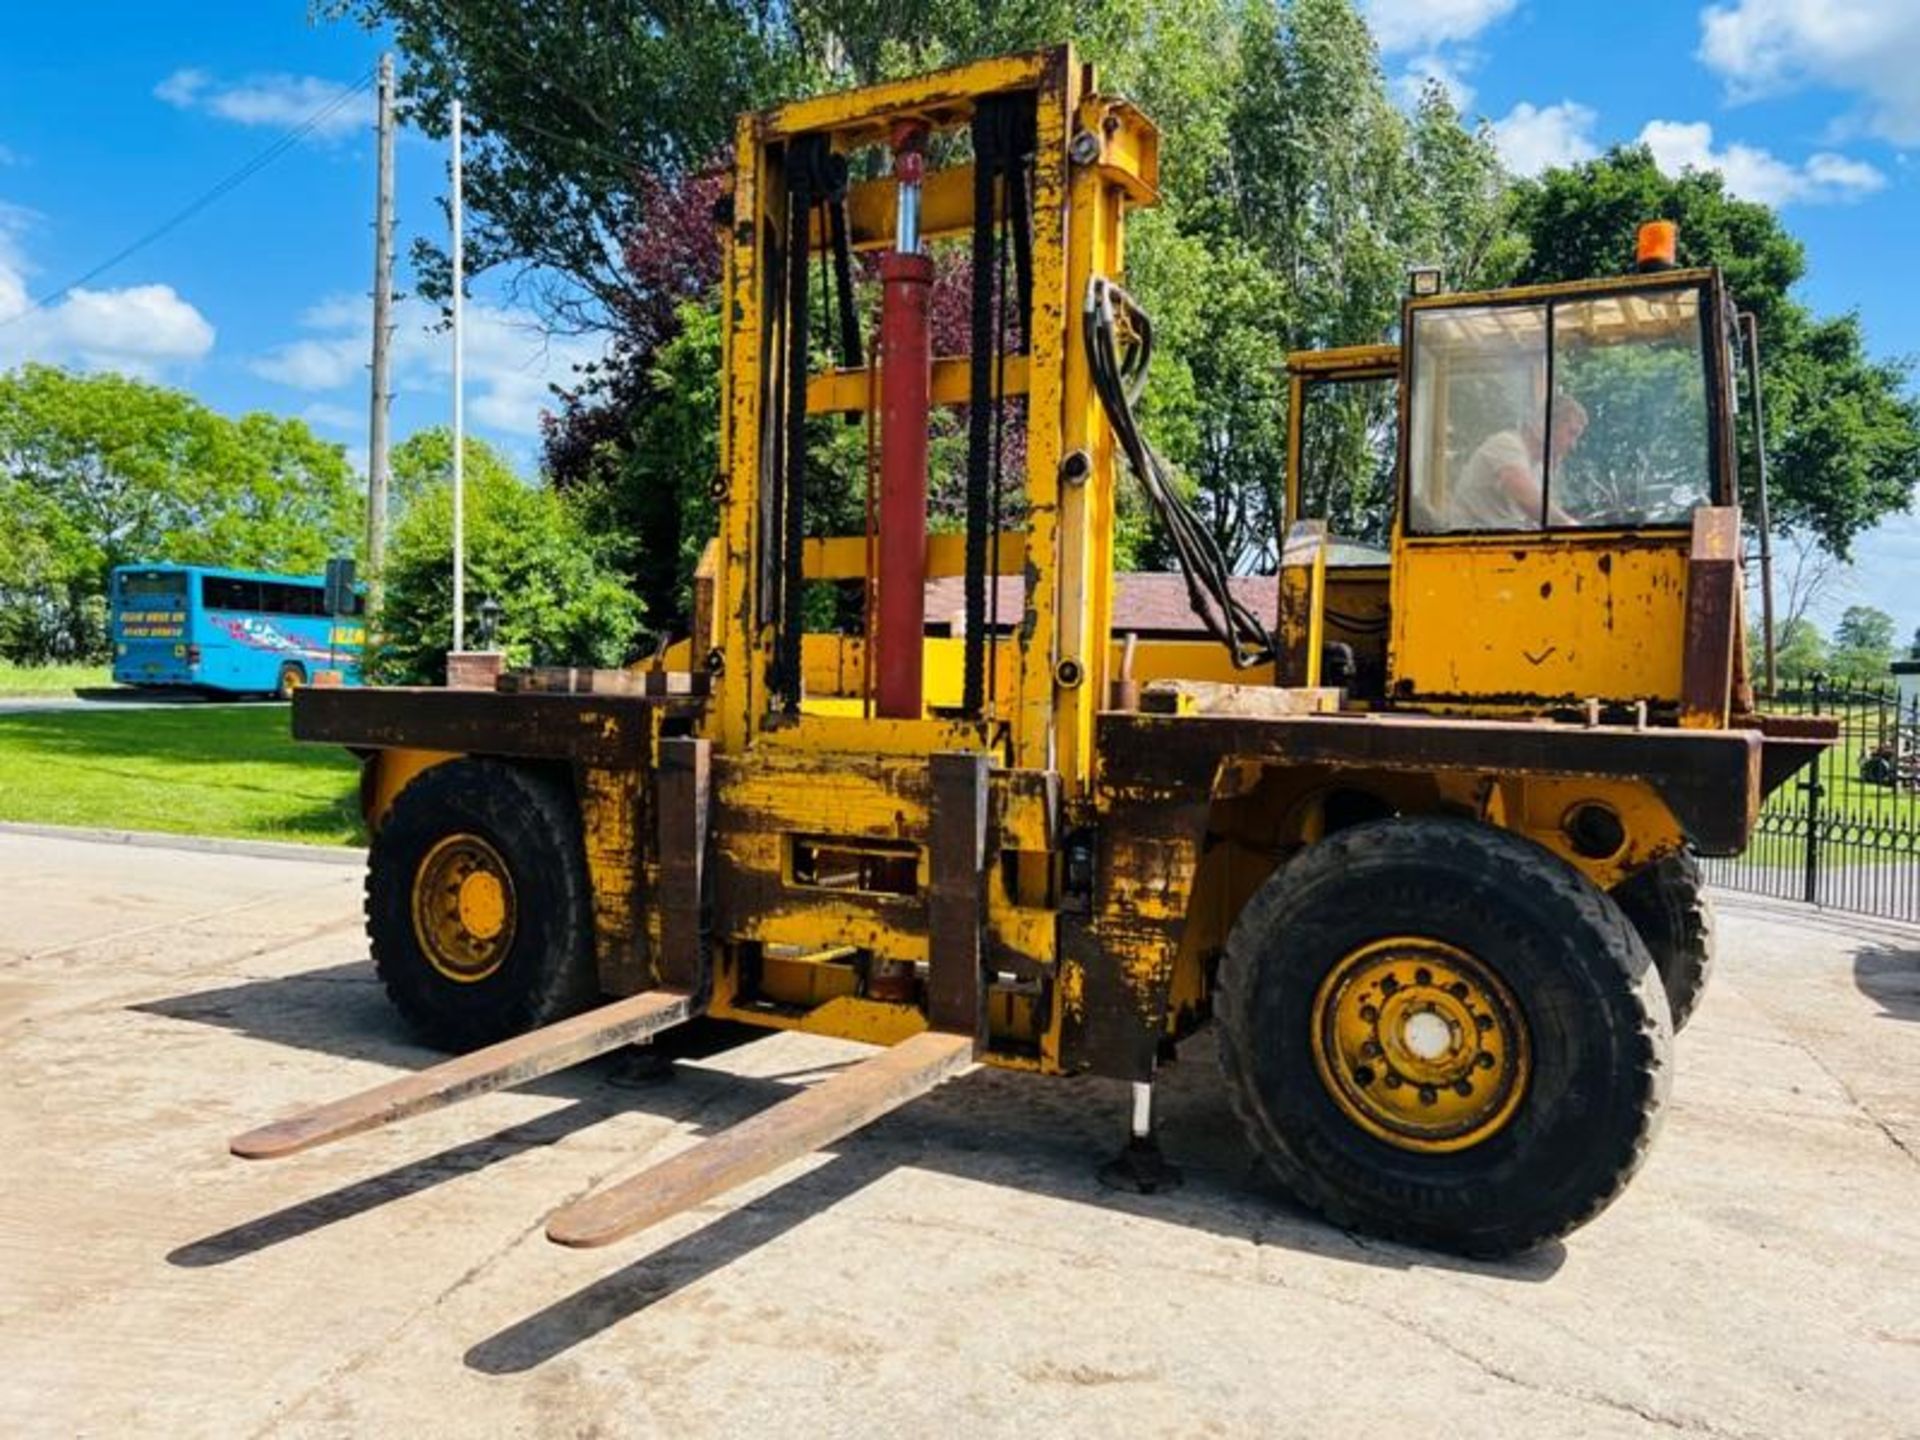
{"points": [[218, 592], [282, 598], [166, 586]]}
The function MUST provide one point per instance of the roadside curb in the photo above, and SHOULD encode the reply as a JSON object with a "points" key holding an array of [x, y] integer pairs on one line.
{"points": [[160, 840]]}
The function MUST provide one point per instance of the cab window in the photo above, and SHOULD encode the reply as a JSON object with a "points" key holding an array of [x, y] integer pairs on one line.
{"points": [[1349, 432], [1586, 413]]}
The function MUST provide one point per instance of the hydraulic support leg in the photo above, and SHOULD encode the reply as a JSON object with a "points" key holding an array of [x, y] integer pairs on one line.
{"points": [[1140, 1167]]}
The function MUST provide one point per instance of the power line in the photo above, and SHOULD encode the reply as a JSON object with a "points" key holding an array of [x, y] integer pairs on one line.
{"points": [[239, 177]]}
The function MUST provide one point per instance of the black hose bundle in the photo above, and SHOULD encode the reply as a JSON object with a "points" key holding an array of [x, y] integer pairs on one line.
{"points": [[1119, 366]]}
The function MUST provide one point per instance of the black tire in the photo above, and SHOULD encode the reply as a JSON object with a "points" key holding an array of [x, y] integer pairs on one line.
{"points": [[544, 971], [1595, 1017], [1879, 769], [1668, 905], [291, 678]]}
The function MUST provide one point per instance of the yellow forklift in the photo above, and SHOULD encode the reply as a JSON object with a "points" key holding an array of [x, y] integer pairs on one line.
{"points": [[1417, 844]]}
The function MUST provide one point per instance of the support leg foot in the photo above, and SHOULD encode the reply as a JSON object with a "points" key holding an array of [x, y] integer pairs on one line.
{"points": [[1140, 1168], [640, 1067]]}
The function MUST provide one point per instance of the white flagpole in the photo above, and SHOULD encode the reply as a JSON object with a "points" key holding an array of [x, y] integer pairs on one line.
{"points": [[459, 409]]}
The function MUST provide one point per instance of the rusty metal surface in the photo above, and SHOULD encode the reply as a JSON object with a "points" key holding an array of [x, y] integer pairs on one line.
{"points": [[1711, 779], [957, 898], [593, 729], [776, 1136], [574, 680], [512, 1062], [685, 898], [1712, 618]]}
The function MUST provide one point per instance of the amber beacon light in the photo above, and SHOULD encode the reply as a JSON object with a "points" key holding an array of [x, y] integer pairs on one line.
{"points": [[1658, 244]]}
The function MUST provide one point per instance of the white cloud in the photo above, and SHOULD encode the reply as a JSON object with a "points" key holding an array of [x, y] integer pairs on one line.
{"points": [[1532, 138], [1885, 560], [1870, 48], [324, 415], [1402, 25], [313, 364], [140, 329], [1441, 68], [510, 362], [1435, 36], [277, 101], [1756, 174]]}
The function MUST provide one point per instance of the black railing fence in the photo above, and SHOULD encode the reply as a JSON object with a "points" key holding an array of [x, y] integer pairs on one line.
{"points": [[1845, 833]]}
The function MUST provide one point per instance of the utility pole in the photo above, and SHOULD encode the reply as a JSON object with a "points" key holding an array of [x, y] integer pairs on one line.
{"points": [[377, 463], [459, 408]]}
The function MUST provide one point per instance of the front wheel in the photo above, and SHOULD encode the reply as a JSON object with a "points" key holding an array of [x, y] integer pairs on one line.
{"points": [[478, 904], [1441, 1033], [292, 677]]}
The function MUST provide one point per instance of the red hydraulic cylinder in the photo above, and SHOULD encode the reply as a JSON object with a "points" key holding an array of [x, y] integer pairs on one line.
{"points": [[906, 379]]}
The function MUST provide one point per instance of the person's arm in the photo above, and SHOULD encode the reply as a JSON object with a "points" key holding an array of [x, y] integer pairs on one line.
{"points": [[1524, 490]]}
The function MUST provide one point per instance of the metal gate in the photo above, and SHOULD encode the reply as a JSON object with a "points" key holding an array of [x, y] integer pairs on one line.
{"points": [[1846, 833]]}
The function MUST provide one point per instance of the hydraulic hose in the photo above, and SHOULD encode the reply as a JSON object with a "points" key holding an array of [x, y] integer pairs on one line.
{"points": [[1119, 370]]}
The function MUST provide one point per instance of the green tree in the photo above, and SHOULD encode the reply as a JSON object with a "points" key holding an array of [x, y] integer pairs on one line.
{"points": [[1802, 650], [574, 109], [424, 460], [561, 601], [1843, 431], [1298, 233], [1863, 643], [102, 470], [647, 486]]}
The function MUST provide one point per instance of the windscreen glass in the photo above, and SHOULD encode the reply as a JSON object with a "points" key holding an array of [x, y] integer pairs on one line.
{"points": [[1591, 413], [1349, 432]]}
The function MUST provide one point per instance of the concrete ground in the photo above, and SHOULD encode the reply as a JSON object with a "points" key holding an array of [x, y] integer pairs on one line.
{"points": [[954, 1270]]}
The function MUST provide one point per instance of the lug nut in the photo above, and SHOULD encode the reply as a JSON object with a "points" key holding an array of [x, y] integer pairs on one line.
{"points": [[1458, 990], [1463, 1087], [1485, 1061], [1370, 1013], [1363, 1076], [1423, 977], [1428, 1095]]}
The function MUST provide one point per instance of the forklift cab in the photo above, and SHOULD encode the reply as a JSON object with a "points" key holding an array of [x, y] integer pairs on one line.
{"points": [[1519, 502]]}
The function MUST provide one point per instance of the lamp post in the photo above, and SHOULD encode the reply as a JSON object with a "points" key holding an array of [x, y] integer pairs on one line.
{"points": [[489, 621]]}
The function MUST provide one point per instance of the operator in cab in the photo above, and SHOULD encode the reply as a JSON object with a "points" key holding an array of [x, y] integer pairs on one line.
{"points": [[1502, 485]]}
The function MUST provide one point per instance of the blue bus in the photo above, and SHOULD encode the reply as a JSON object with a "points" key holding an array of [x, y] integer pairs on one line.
{"points": [[235, 631]]}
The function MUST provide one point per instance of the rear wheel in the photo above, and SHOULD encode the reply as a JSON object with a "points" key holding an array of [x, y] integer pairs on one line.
{"points": [[1441, 1033], [292, 677], [1668, 906], [478, 904]]}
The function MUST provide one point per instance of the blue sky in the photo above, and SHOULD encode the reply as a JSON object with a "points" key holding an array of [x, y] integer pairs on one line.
{"points": [[113, 115]]}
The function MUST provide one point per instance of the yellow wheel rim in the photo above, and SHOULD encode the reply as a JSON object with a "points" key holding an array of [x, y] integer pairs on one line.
{"points": [[463, 910], [1420, 1044]]}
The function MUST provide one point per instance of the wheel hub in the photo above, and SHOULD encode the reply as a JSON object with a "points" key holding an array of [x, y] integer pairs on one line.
{"points": [[1420, 1044], [463, 908]]}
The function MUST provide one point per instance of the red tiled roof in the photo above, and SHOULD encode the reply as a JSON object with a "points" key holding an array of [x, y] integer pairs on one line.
{"points": [[1151, 603]]}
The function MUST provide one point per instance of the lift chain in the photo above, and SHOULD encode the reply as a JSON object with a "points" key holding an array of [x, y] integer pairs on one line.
{"points": [[1004, 142]]}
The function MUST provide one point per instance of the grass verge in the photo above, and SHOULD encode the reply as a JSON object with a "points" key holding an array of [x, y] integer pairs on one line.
{"points": [[22, 680], [221, 770]]}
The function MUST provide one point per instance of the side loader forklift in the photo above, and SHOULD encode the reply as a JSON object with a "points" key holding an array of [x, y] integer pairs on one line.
{"points": [[1421, 850]]}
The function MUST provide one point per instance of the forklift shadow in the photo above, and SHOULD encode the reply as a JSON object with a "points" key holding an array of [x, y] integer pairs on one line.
{"points": [[1044, 1136], [1889, 975], [1040, 1136]]}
